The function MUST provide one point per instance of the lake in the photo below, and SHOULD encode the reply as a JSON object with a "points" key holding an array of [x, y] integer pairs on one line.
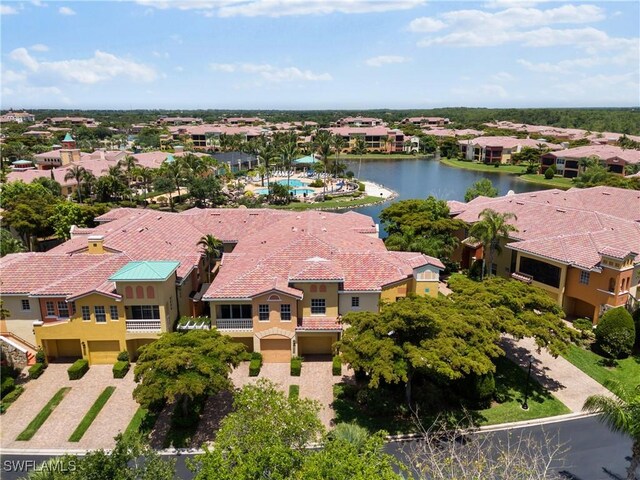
{"points": [[421, 177]]}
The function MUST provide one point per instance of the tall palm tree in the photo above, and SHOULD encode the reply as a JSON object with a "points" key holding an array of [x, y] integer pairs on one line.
{"points": [[77, 173], [620, 414], [212, 249], [492, 227], [129, 164], [339, 144], [324, 146], [289, 151], [117, 180]]}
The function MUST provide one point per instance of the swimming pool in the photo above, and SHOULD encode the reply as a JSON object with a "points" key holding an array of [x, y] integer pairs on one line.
{"points": [[293, 182], [295, 191]]}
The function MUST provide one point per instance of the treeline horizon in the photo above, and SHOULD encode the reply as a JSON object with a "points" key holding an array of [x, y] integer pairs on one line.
{"points": [[614, 119]]}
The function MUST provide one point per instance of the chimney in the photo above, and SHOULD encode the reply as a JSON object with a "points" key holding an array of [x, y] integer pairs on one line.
{"points": [[96, 244]]}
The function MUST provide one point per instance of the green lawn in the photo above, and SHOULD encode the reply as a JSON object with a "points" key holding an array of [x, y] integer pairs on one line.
{"points": [[91, 415], [511, 382], [558, 182], [142, 423], [481, 167], [341, 202], [626, 371], [294, 391], [42, 416]]}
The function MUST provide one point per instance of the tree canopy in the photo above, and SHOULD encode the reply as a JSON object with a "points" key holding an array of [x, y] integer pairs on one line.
{"points": [[481, 188]]}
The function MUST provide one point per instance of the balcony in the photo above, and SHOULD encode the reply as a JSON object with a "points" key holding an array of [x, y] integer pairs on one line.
{"points": [[144, 326], [234, 324]]}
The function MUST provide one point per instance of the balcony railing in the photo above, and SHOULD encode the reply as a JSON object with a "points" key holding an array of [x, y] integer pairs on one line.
{"points": [[143, 325], [523, 277], [234, 323]]}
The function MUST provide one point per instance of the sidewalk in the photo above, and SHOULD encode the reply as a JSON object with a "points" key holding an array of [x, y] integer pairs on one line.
{"points": [[568, 383]]}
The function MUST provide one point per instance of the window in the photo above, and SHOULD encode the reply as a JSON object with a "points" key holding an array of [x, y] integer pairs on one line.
{"points": [[86, 313], [63, 310], [285, 312], [139, 292], [584, 277], [151, 292], [542, 272], [113, 311], [145, 312], [263, 312], [26, 305], [318, 306], [355, 302], [51, 312], [128, 292], [101, 316], [236, 311]]}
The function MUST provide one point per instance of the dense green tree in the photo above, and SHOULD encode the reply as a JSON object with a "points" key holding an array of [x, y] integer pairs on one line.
{"points": [[491, 228], [279, 193], [66, 214], [481, 188], [264, 437], [50, 184], [148, 137], [449, 147], [9, 244], [528, 156], [77, 173], [28, 208], [427, 221], [428, 144], [205, 191], [182, 366], [621, 414], [616, 333]]}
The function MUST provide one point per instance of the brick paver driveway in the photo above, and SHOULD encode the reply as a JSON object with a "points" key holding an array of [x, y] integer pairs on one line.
{"points": [[54, 433], [316, 381]]}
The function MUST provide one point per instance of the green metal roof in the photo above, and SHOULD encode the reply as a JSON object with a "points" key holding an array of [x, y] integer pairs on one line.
{"points": [[150, 271], [68, 138]]}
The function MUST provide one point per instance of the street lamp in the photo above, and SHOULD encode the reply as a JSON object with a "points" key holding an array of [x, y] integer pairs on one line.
{"points": [[525, 405]]}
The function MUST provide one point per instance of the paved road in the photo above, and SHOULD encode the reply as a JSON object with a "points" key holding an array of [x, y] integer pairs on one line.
{"points": [[595, 453]]}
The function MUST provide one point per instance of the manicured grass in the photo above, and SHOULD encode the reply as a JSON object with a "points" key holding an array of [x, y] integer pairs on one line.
{"points": [[511, 382], [481, 167], [91, 414], [625, 371], [341, 202], [42, 416], [141, 423], [294, 391], [558, 182]]}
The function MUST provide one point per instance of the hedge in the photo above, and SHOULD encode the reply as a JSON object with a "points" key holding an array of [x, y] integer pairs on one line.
{"points": [[36, 370], [294, 391], [78, 369], [41, 358], [616, 333], [11, 397], [123, 356], [296, 366], [8, 384], [120, 369], [336, 366], [255, 365]]}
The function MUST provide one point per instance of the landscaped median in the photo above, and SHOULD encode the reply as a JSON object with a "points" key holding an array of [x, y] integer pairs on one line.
{"points": [[91, 414], [42, 416]]}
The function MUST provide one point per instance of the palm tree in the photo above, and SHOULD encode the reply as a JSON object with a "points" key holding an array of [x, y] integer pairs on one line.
{"points": [[324, 145], [289, 150], [212, 249], [621, 414], [491, 228], [9, 244], [117, 180], [129, 164], [77, 173], [338, 144]]}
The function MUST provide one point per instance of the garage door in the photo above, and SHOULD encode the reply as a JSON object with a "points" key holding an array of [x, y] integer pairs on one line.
{"points": [[275, 351], [69, 348], [315, 345], [101, 352]]}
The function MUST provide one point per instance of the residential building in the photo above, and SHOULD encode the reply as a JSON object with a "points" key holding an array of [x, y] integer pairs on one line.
{"points": [[242, 121], [178, 121], [571, 162], [360, 122], [87, 122], [284, 282], [376, 138], [582, 245], [207, 137], [498, 150], [426, 122], [17, 117]]}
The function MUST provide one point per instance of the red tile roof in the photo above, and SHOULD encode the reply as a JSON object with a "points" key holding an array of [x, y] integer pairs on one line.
{"points": [[319, 323]]}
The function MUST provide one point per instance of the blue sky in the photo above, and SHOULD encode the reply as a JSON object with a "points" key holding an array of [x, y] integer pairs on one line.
{"points": [[303, 54]]}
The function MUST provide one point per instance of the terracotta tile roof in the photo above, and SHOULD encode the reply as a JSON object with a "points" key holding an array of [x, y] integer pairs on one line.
{"points": [[603, 152], [319, 323]]}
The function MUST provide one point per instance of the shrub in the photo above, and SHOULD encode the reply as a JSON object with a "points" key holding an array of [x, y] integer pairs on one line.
{"points": [[8, 384], [361, 187], [616, 333], [294, 391], [379, 401], [9, 371], [256, 356], [479, 389], [123, 356], [296, 366], [36, 370], [78, 369], [120, 369], [41, 357], [10, 398], [317, 183], [583, 324], [336, 366], [254, 367], [356, 194], [548, 174]]}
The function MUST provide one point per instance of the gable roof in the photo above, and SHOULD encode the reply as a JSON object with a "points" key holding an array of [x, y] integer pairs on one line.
{"points": [[149, 271]]}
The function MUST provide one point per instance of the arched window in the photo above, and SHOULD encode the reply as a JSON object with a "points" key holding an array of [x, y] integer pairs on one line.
{"points": [[128, 291], [150, 292], [323, 288], [274, 298], [139, 292], [314, 288]]}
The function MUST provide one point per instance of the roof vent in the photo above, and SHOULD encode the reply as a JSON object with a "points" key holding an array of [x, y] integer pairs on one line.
{"points": [[561, 210], [519, 203]]}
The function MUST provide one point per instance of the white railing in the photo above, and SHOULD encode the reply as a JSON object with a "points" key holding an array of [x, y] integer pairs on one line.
{"points": [[234, 323], [143, 325]]}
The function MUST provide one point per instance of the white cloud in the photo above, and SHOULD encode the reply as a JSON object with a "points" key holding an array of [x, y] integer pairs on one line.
{"points": [[9, 76], [613, 88], [8, 10], [280, 8], [385, 60], [271, 73], [160, 54], [66, 11], [39, 47], [38, 3], [502, 77], [426, 24], [101, 67]]}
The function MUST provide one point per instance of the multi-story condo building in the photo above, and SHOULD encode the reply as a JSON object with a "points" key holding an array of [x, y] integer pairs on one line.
{"points": [[282, 286], [571, 162], [426, 122], [178, 121], [582, 246], [359, 122], [241, 121], [498, 149], [379, 138], [17, 117], [208, 136]]}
